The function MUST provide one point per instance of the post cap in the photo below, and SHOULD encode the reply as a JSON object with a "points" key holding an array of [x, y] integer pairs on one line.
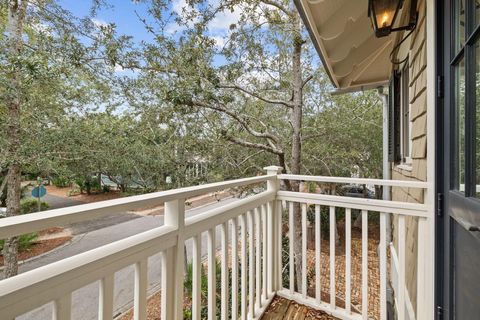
{"points": [[273, 169]]}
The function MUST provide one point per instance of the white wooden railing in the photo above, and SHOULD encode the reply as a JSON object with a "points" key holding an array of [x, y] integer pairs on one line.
{"points": [[366, 206], [250, 252]]}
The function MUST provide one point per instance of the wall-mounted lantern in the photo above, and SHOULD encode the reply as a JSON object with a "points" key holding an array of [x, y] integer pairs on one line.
{"points": [[384, 13]]}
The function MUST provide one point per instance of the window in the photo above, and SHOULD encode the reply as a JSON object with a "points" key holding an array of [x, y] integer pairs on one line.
{"points": [[400, 126], [405, 123], [465, 100]]}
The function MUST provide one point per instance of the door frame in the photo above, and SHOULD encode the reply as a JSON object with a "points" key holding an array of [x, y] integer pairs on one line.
{"points": [[451, 207], [440, 234]]}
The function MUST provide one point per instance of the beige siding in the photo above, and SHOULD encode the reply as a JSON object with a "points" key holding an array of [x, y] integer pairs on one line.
{"points": [[418, 170]]}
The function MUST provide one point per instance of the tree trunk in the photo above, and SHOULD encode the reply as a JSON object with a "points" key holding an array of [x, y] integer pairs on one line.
{"points": [[16, 15], [296, 120]]}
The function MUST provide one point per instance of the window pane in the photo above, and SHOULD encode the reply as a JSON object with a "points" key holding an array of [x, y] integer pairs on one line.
{"points": [[477, 122], [459, 24], [477, 12], [460, 125]]}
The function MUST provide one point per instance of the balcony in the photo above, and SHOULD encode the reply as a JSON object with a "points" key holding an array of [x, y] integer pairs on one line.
{"points": [[253, 240]]}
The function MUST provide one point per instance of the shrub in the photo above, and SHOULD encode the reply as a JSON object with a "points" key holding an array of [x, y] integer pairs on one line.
{"points": [[61, 182], [25, 241], [31, 205], [74, 191]]}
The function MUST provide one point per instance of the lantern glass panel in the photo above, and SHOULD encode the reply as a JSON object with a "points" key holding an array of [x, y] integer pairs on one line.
{"points": [[385, 12]]}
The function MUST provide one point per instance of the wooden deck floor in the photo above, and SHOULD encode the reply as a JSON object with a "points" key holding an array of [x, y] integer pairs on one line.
{"points": [[281, 308]]}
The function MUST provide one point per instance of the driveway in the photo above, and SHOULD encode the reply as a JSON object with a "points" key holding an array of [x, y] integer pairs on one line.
{"points": [[85, 300]]}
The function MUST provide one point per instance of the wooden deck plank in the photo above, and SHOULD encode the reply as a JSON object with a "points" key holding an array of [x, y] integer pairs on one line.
{"points": [[284, 309]]}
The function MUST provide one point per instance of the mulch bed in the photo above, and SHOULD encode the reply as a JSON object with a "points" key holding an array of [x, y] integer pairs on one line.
{"points": [[153, 309], [356, 269], [39, 247]]}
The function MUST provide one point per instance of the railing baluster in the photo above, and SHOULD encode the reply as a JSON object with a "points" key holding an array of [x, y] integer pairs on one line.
{"points": [[401, 268], [332, 257], [279, 285], [318, 255], [304, 250], [270, 246], [383, 266], [264, 253], [365, 264], [224, 275], [105, 294], [197, 277], [140, 293], [234, 269], [243, 258], [62, 309], [251, 265], [291, 237], [258, 281], [167, 303], [212, 289], [348, 253]]}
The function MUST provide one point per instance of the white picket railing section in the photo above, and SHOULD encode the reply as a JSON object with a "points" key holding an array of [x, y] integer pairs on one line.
{"points": [[366, 206], [250, 253]]}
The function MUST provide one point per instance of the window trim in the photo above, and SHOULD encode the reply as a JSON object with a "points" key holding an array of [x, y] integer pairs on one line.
{"points": [[405, 108]]}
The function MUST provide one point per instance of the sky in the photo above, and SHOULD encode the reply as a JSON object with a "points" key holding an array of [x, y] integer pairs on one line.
{"points": [[122, 14]]}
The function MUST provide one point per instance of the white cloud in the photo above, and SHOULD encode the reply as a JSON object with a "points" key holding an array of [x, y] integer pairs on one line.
{"points": [[173, 27], [219, 41], [118, 68], [42, 28], [99, 23], [178, 6], [223, 20]]}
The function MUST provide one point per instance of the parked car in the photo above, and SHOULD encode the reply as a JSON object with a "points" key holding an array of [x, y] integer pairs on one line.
{"points": [[357, 192]]}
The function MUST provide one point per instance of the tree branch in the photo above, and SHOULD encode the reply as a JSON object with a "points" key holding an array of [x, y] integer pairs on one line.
{"points": [[278, 5], [254, 145], [237, 118], [253, 94], [307, 79]]}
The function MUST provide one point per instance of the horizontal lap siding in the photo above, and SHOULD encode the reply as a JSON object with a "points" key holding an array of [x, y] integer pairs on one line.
{"points": [[418, 172]]}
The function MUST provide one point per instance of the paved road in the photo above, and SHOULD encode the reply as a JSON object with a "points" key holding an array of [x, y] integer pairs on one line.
{"points": [[85, 300], [55, 202]]}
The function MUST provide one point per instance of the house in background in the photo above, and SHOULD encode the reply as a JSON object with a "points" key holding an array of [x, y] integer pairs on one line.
{"points": [[425, 53]]}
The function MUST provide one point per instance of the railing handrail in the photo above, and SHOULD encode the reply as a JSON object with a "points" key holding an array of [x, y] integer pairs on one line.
{"points": [[397, 207], [33, 222], [209, 219], [36, 287], [378, 182]]}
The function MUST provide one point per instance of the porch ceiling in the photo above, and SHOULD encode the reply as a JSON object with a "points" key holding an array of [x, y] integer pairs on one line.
{"points": [[344, 38]]}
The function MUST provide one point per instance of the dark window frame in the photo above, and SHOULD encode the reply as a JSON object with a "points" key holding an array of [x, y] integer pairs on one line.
{"points": [[465, 52], [406, 125]]}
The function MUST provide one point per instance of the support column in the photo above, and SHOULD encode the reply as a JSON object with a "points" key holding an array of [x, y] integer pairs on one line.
{"points": [[273, 217], [175, 217]]}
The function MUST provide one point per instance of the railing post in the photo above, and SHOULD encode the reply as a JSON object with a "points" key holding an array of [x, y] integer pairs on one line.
{"points": [[272, 238], [424, 269], [175, 217]]}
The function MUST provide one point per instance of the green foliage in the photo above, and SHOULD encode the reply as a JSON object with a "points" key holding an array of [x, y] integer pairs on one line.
{"points": [[61, 182], [188, 287], [30, 205], [25, 241]]}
